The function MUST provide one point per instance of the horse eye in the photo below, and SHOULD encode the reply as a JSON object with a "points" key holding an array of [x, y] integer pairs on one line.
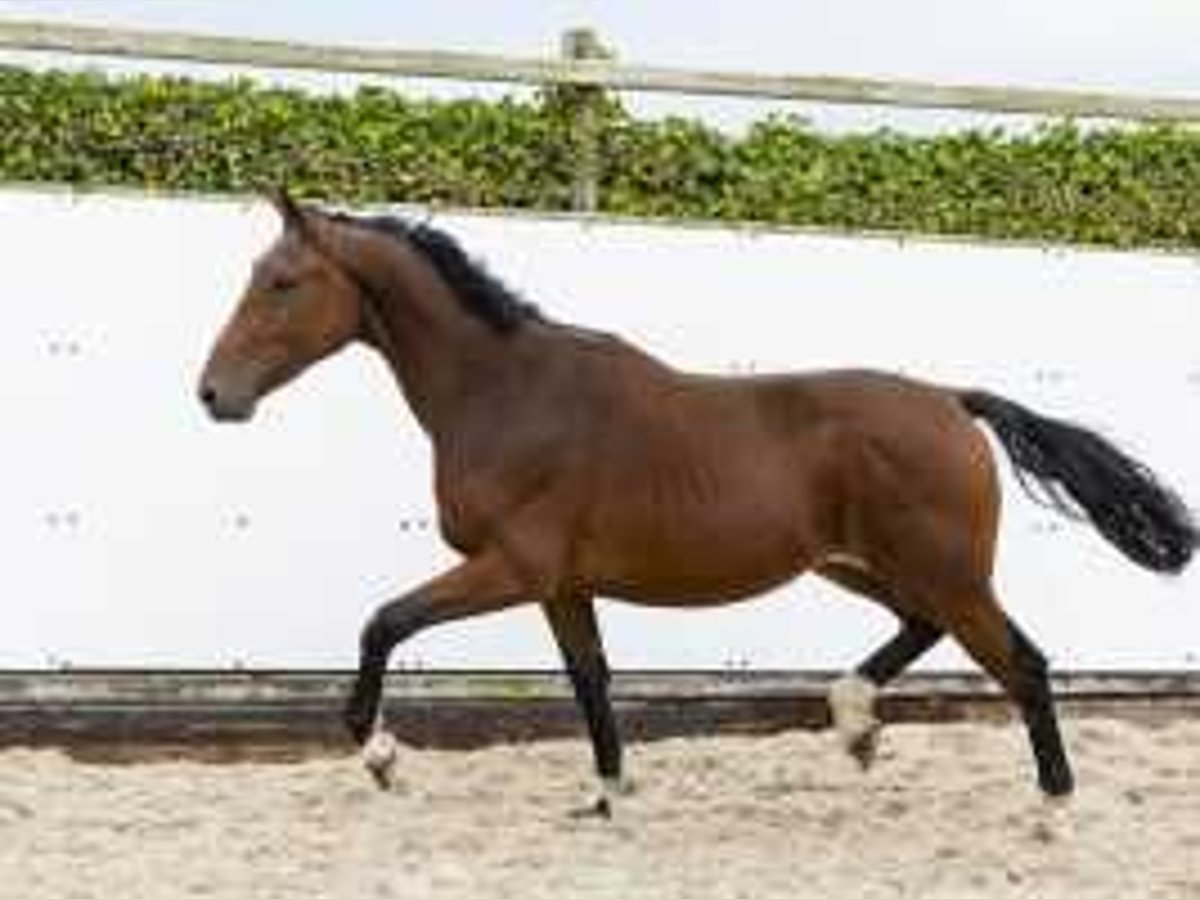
{"points": [[284, 284]]}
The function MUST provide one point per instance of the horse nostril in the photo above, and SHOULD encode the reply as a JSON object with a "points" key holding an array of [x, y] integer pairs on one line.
{"points": [[225, 404]]}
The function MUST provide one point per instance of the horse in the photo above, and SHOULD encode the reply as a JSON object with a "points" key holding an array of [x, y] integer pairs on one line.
{"points": [[570, 464]]}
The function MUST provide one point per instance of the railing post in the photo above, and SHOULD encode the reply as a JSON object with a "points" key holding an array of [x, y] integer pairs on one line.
{"points": [[586, 120]]}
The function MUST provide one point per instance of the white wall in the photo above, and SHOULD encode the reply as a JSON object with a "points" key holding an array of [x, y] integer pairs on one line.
{"points": [[136, 532]]}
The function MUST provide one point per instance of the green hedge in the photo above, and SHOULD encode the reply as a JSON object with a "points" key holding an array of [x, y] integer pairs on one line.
{"points": [[1126, 187]]}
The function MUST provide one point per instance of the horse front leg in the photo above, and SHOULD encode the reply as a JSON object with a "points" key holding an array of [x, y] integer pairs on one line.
{"points": [[572, 620], [482, 584]]}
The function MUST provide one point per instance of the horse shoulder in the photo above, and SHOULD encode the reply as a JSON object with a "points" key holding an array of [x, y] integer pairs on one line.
{"points": [[524, 443]]}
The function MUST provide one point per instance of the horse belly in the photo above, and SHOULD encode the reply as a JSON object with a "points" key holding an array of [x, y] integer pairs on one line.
{"points": [[704, 557]]}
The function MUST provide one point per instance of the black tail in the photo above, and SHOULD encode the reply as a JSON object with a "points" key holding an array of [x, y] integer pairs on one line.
{"points": [[1079, 471]]}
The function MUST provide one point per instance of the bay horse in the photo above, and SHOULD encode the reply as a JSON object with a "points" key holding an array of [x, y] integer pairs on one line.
{"points": [[569, 464]]}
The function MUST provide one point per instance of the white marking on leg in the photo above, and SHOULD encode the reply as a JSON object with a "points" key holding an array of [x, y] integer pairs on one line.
{"points": [[604, 805], [379, 754], [852, 703]]}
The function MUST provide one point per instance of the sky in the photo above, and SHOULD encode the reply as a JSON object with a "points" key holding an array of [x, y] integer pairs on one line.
{"points": [[1140, 46]]}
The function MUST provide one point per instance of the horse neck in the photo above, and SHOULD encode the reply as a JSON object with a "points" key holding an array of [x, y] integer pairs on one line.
{"points": [[439, 354]]}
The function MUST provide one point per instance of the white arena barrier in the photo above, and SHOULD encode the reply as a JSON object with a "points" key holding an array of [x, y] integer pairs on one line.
{"points": [[135, 532]]}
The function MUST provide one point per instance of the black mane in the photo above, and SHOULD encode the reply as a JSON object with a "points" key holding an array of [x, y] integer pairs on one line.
{"points": [[480, 292]]}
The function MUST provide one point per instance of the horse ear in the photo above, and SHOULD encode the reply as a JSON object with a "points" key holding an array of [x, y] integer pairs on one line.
{"points": [[293, 214]]}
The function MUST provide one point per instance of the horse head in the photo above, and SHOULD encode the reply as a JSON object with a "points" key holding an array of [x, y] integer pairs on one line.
{"points": [[298, 307]]}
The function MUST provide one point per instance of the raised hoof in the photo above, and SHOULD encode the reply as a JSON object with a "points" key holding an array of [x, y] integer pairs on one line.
{"points": [[381, 777], [379, 759], [852, 705]]}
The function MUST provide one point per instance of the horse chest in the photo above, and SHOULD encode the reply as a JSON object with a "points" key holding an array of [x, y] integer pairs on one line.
{"points": [[465, 521], [477, 505]]}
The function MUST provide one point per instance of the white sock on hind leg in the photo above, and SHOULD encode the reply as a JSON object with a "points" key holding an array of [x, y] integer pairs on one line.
{"points": [[852, 703]]}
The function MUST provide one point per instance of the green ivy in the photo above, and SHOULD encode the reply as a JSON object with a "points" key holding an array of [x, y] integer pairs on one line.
{"points": [[1116, 186]]}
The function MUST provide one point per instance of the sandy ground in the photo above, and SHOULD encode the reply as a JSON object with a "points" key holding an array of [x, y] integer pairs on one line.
{"points": [[949, 811]]}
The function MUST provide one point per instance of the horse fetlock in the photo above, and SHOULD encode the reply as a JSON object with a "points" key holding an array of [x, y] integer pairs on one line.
{"points": [[379, 758], [1056, 780], [358, 718], [852, 704]]}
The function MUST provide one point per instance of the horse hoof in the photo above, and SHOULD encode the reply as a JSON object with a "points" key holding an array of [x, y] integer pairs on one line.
{"points": [[379, 758], [1059, 794], [601, 808], [852, 703], [865, 747]]}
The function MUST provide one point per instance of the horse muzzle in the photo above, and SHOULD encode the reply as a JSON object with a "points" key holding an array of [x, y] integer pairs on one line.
{"points": [[226, 403]]}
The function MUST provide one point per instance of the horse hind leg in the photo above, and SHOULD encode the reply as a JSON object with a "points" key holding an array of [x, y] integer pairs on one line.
{"points": [[995, 642], [852, 697]]}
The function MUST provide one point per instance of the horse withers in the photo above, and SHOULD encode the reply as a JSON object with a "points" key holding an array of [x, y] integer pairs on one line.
{"points": [[569, 464]]}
